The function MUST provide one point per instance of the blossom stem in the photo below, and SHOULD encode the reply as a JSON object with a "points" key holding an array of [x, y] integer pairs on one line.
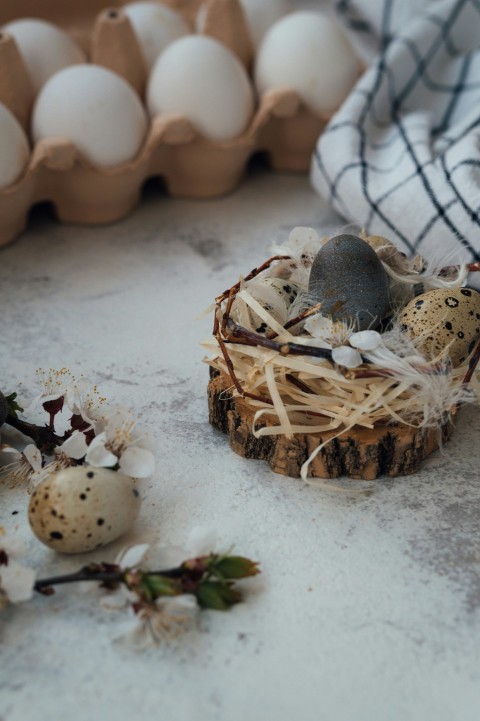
{"points": [[99, 574], [44, 438]]}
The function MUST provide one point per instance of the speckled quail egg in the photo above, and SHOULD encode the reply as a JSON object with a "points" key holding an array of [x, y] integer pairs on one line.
{"points": [[444, 322], [82, 508], [273, 294]]}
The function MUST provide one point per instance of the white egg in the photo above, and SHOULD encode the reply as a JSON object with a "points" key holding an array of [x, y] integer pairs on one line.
{"points": [[94, 108], [15, 151], [45, 48], [307, 52], [155, 26], [81, 508], [200, 78], [261, 15]]}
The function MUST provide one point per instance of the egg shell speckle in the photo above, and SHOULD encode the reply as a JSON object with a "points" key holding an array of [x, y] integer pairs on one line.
{"points": [[82, 508], [350, 282], [273, 294], [445, 321]]}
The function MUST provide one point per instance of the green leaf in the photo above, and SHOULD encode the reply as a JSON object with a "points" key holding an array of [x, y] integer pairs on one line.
{"points": [[156, 585], [235, 567], [217, 596], [12, 404]]}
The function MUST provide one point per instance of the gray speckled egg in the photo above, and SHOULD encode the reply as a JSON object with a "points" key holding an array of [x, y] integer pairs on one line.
{"points": [[81, 508], [444, 321], [350, 282]]}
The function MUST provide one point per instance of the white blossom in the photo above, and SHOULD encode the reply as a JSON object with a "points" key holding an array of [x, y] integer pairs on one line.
{"points": [[123, 442], [341, 338], [60, 462], [51, 385], [84, 400], [16, 580], [162, 620], [132, 556], [75, 446], [345, 356], [165, 618], [302, 245], [128, 558], [330, 333], [200, 541], [365, 340], [168, 617], [24, 464], [159, 622]]}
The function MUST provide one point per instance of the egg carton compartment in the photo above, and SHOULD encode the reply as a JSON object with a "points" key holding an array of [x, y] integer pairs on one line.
{"points": [[191, 165]]}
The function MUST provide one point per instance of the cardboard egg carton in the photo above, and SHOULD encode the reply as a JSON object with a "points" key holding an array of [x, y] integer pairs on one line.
{"points": [[191, 165]]}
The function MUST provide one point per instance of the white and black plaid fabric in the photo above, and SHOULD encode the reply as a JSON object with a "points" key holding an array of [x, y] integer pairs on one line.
{"points": [[402, 156]]}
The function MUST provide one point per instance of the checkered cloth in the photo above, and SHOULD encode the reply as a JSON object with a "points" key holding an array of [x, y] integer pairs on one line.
{"points": [[402, 156]]}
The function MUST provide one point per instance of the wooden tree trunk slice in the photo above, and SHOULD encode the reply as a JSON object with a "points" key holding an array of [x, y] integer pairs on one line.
{"points": [[360, 453]]}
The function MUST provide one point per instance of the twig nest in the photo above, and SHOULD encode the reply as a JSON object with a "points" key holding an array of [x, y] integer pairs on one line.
{"points": [[81, 508], [350, 282], [444, 322]]}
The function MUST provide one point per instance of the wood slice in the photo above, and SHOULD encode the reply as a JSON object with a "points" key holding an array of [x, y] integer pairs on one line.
{"points": [[360, 453]]}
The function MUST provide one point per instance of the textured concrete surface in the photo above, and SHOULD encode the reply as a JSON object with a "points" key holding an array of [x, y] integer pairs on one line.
{"points": [[368, 608]]}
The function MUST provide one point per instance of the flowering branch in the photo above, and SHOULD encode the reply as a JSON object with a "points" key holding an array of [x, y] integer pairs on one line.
{"points": [[209, 578], [161, 603], [80, 429], [44, 437]]}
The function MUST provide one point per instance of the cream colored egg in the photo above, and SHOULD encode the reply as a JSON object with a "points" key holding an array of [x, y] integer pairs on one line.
{"points": [[274, 295], [444, 323], [385, 249], [400, 292], [94, 108], [82, 508], [155, 26], [307, 52], [15, 152], [44, 47], [201, 79]]}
